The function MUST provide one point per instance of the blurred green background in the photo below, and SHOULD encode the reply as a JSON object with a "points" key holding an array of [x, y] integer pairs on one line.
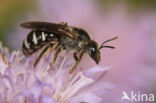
{"points": [[10, 13]]}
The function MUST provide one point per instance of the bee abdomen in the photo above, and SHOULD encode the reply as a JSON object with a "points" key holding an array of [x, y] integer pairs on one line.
{"points": [[36, 40]]}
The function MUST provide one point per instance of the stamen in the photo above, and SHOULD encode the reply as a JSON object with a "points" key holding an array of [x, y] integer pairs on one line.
{"points": [[4, 58], [75, 78], [59, 69], [55, 96]]}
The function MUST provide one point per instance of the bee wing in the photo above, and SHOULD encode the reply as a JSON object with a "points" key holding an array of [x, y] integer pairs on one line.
{"points": [[60, 29]]}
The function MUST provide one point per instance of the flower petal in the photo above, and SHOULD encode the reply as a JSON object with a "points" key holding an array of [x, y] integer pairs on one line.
{"points": [[82, 82], [47, 99], [86, 98], [95, 69]]}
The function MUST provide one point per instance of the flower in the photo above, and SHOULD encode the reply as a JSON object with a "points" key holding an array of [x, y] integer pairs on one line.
{"points": [[134, 64], [21, 83]]}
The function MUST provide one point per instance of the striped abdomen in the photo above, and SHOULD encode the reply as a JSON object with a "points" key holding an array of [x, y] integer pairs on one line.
{"points": [[36, 40]]}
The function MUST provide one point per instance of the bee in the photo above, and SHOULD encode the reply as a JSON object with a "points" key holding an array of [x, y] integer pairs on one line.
{"points": [[58, 37]]}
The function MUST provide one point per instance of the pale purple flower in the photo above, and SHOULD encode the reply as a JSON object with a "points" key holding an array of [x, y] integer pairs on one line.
{"points": [[134, 57], [21, 83]]}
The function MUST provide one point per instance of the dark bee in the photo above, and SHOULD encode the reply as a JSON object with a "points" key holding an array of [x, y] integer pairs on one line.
{"points": [[60, 37]]}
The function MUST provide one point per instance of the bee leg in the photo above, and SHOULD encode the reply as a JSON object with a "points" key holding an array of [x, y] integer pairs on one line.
{"points": [[42, 53], [77, 61], [75, 64], [57, 53]]}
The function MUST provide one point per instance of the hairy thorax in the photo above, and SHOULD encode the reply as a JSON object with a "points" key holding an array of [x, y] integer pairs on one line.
{"points": [[72, 44]]}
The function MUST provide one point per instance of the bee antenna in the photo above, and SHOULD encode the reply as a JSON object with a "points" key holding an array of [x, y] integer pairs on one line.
{"points": [[104, 46]]}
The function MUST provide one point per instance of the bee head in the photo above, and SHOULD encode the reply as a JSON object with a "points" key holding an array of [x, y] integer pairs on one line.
{"points": [[93, 51]]}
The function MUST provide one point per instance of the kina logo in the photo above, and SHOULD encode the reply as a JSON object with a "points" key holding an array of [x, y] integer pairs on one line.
{"points": [[137, 97]]}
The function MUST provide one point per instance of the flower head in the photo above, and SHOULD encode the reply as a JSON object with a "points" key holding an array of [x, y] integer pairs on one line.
{"points": [[21, 83]]}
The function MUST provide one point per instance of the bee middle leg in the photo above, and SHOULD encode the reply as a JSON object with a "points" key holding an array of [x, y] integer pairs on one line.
{"points": [[56, 55], [77, 61]]}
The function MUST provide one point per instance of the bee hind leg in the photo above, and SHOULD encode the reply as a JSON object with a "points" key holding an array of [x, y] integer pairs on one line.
{"points": [[43, 51], [77, 61]]}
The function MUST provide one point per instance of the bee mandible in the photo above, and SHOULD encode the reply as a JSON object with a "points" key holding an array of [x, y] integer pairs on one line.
{"points": [[58, 37]]}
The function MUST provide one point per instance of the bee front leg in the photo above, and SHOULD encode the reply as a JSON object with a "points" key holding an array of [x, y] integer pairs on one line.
{"points": [[57, 53], [77, 61]]}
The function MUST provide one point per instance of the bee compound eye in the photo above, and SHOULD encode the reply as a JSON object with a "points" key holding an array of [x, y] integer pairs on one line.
{"points": [[92, 49]]}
